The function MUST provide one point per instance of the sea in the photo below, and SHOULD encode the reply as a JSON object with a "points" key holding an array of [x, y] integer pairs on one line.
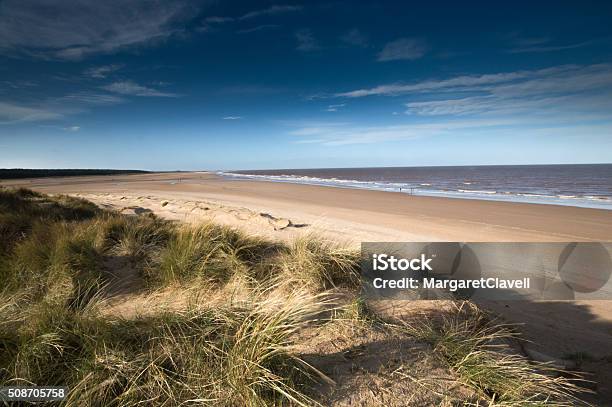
{"points": [[581, 185]]}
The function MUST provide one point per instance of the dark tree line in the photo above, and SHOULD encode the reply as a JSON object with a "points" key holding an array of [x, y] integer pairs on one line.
{"points": [[15, 173]]}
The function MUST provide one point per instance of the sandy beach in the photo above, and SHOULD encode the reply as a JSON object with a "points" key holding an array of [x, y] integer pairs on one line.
{"points": [[283, 210]]}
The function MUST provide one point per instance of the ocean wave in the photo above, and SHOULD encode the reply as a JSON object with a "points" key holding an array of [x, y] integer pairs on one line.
{"points": [[427, 189], [475, 191]]}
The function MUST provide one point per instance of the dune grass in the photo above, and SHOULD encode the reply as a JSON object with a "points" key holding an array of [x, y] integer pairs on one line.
{"points": [[477, 349], [212, 253], [53, 269], [56, 262], [233, 356], [319, 264]]}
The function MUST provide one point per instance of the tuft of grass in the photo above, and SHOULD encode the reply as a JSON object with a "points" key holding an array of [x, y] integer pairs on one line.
{"points": [[192, 253], [355, 311], [212, 253], [260, 362], [21, 209], [319, 264], [135, 237], [477, 350]]}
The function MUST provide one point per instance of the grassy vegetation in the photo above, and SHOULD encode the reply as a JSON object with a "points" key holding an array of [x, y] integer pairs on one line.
{"points": [[58, 255], [479, 351], [59, 259]]}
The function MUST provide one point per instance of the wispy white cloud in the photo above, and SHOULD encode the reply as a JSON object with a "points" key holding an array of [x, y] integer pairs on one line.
{"points": [[520, 44], [335, 134], [555, 79], [53, 108], [19, 84], [91, 98], [350, 134], [403, 49], [334, 108], [218, 19], [86, 27], [211, 21], [355, 38], [549, 48], [306, 41], [14, 113], [232, 118], [458, 82], [272, 10], [133, 89], [578, 91], [262, 27], [560, 100], [101, 72]]}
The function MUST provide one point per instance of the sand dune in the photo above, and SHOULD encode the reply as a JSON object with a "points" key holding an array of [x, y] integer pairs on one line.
{"points": [[284, 211]]}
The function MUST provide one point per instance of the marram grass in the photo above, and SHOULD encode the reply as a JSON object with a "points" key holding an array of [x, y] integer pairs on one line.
{"points": [[56, 266], [477, 350]]}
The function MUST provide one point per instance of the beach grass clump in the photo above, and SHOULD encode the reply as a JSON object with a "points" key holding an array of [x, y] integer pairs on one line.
{"points": [[213, 253], [478, 351], [192, 253], [21, 209], [54, 260], [319, 264], [225, 356], [188, 254], [45, 207], [135, 237]]}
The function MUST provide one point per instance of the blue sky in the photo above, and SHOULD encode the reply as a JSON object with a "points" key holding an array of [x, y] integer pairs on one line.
{"points": [[228, 85]]}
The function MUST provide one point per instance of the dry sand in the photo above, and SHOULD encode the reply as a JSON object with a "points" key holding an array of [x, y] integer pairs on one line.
{"points": [[284, 211], [349, 215]]}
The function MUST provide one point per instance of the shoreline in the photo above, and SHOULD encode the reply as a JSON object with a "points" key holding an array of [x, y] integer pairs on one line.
{"points": [[286, 211], [345, 214], [478, 195]]}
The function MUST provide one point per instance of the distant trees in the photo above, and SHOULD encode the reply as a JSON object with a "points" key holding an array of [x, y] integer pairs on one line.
{"points": [[15, 173]]}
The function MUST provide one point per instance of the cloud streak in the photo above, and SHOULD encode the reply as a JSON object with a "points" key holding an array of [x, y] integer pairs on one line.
{"points": [[85, 28], [556, 101], [101, 72], [131, 88], [549, 48], [13, 113], [334, 108], [559, 80], [403, 49], [349, 134], [306, 41], [272, 10], [262, 27], [276, 9]]}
